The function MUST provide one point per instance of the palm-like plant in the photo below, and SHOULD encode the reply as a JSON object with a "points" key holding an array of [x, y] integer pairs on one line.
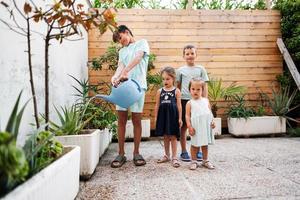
{"points": [[217, 92]]}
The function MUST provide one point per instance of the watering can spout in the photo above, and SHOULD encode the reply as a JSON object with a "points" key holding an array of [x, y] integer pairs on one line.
{"points": [[104, 97], [126, 94]]}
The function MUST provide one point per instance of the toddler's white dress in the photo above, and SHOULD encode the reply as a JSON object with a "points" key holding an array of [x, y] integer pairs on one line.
{"points": [[201, 118]]}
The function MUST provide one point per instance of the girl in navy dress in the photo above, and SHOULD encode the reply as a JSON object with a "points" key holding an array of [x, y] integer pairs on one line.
{"points": [[168, 115]]}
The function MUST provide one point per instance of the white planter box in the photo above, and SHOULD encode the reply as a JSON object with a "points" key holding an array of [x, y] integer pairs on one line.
{"points": [[145, 129], [218, 129], [256, 125], [105, 140], [90, 146], [59, 180]]}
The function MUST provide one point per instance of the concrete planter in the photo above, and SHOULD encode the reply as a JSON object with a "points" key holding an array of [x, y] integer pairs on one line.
{"points": [[89, 143], [256, 125], [145, 129], [59, 180], [218, 129], [105, 140]]}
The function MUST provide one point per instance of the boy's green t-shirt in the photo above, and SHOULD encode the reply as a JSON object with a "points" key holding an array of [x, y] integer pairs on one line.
{"points": [[128, 53], [184, 75]]}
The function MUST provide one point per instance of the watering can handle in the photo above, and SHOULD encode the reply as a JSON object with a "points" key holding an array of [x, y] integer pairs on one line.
{"points": [[139, 88]]}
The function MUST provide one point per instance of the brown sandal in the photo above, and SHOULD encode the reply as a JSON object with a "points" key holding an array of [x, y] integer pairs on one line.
{"points": [[175, 163], [164, 159]]}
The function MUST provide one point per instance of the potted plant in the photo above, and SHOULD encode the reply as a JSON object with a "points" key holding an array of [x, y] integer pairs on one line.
{"points": [[100, 113], [84, 124], [245, 121], [217, 92], [39, 168], [70, 132]]}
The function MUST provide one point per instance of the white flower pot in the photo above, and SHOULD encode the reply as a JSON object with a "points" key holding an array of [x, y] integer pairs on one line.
{"points": [[218, 129], [105, 140], [90, 146], [256, 125], [145, 129], [59, 180]]}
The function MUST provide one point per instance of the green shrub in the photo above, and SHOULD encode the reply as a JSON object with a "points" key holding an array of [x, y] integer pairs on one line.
{"points": [[240, 109], [41, 149], [13, 164]]}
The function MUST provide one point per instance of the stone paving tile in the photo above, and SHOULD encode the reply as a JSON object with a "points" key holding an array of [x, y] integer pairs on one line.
{"points": [[252, 168]]}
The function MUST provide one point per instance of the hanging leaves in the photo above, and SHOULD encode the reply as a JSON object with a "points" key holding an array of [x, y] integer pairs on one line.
{"points": [[27, 8]]}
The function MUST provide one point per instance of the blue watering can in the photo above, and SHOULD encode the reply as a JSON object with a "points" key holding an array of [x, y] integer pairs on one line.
{"points": [[126, 94]]}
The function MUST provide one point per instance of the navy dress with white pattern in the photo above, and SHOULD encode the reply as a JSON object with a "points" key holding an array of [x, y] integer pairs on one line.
{"points": [[168, 116]]}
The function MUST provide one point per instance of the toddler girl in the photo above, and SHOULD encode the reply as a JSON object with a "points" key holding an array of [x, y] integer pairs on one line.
{"points": [[199, 120], [168, 114]]}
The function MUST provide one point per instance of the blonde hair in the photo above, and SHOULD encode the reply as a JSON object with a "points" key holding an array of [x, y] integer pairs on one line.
{"points": [[170, 71], [199, 80]]}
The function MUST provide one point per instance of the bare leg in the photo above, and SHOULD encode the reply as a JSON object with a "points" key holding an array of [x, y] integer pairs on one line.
{"points": [[205, 152], [167, 145], [137, 131], [183, 138], [194, 151], [122, 120], [174, 146]]}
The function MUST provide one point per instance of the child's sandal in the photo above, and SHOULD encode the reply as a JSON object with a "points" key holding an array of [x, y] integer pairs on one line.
{"points": [[208, 165], [164, 159], [175, 163], [193, 166]]}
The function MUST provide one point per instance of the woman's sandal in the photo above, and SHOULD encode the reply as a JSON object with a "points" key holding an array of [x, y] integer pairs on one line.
{"points": [[138, 160], [175, 163], [118, 161], [208, 165], [193, 165], [164, 159]]}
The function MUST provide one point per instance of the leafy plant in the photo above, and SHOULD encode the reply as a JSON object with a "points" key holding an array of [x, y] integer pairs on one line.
{"points": [[99, 115], [281, 101], [217, 92], [240, 110], [41, 149], [294, 132], [13, 164], [71, 121]]}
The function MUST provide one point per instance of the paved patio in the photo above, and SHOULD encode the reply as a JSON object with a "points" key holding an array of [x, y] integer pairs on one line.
{"points": [[248, 168]]}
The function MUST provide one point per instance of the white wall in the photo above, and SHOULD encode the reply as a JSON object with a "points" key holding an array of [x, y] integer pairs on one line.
{"points": [[70, 57]]}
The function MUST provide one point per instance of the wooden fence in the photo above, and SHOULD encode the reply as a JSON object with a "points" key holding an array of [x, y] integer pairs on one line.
{"points": [[238, 46]]}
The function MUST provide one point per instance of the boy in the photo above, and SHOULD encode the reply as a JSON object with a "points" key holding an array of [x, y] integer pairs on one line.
{"points": [[133, 63], [183, 76]]}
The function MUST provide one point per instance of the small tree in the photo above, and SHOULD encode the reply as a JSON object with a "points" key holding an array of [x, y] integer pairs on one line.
{"points": [[63, 19]]}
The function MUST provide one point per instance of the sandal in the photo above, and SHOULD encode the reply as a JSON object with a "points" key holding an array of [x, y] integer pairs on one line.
{"points": [[118, 161], [175, 163], [193, 166], [138, 160], [208, 165], [164, 159]]}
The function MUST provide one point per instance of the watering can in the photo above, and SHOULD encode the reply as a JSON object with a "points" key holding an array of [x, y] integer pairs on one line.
{"points": [[126, 94]]}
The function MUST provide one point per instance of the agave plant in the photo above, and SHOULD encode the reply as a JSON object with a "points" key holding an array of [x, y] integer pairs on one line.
{"points": [[280, 102], [71, 121], [218, 92]]}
